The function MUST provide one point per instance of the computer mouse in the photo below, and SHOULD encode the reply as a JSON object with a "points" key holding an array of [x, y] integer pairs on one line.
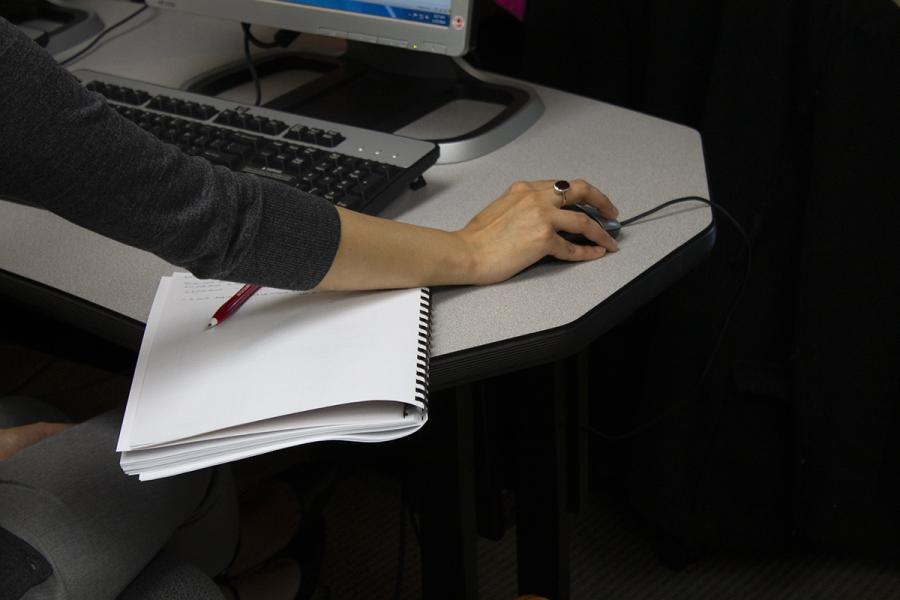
{"points": [[611, 226]]}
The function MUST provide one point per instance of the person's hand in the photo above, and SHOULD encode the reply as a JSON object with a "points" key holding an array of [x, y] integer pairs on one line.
{"points": [[13, 439], [514, 231], [520, 228]]}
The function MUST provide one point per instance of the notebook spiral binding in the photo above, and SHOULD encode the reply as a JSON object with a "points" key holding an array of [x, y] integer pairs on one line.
{"points": [[424, 350]]}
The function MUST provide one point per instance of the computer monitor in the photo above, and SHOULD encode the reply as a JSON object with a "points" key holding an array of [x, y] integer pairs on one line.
{"points": [[436, 26]]}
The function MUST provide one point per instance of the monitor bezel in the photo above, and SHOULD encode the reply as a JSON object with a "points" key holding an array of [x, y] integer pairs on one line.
{"points": [[452, 40]]}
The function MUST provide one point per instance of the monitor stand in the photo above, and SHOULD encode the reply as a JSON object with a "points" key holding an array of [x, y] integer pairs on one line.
{"points": [[53, 25], [385, 89]]}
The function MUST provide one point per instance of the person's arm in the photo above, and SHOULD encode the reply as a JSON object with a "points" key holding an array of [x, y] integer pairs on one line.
{"points": [[66, 150], [511, 233]]}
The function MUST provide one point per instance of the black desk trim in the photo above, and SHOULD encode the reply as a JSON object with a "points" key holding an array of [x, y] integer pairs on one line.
{"points": [[93, 318], [447, 370]]}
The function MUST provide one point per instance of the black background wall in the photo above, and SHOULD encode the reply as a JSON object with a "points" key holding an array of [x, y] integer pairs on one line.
{"points": [[795, 433]]}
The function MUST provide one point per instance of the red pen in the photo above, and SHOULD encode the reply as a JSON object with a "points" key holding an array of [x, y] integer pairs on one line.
{"points": [[232, 304]]}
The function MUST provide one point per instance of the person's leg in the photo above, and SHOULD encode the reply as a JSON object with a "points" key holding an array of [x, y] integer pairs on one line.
{"points": [[98, 528], [21, 410], [167, 578]]}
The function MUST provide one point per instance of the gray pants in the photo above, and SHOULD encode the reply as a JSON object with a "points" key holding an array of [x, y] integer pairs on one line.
{"points": [[99, 528]]}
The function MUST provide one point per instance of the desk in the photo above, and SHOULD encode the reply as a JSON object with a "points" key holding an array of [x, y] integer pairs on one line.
{"points": [[546, 313]]}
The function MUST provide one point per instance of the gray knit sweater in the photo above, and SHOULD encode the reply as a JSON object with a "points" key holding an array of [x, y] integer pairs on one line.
{"points": [[64, 149]]}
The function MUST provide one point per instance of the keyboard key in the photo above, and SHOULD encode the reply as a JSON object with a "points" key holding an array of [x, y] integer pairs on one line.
{"points": [[221, 158], [389, 172], [241, 150], [311, 134], [244, 138], [225, 117], [280, 148], [309, 178], [369, 185], [261, 157], [273, 127], [97, 86], [167, 105], [295, 132], [312, 154], [349, 162], [218, 144], [272, 174], [204, 112], [252, 123], [298, 165], [239, 120], [135, 97], [279, 161], [330, 139], [351, 201], [114, 92], [340, 172], [326, 182], [343, 185]]}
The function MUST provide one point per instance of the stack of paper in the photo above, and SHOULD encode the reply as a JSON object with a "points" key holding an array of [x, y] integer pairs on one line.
{"points": [[288, 368]]}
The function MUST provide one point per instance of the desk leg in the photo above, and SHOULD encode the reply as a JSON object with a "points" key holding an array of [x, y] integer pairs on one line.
{"points": [[577, 406], [542, 525], [448, 500]]}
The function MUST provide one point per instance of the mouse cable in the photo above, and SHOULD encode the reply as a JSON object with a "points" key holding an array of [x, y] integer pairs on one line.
{"points": [[721, 335], [101, 35]]}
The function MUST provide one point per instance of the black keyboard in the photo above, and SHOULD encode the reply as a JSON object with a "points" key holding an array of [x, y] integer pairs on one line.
{"points": [[355, 168]]}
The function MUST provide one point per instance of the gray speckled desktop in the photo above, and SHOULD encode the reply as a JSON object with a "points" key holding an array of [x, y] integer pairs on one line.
{"points": [[639, 161]]}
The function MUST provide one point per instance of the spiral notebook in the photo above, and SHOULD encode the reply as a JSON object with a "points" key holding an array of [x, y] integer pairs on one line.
{"points": [[289, 368]]}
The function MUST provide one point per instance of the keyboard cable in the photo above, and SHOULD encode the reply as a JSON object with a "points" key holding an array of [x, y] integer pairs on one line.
{"points": [[101, 35], [283, 39]]}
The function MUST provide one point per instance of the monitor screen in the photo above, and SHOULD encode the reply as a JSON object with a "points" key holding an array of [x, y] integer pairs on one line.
{"points": [[437, 26], [431, 12]]}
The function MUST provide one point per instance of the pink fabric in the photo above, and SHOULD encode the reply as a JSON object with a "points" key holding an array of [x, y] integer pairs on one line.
{"points": [[516, 7]]}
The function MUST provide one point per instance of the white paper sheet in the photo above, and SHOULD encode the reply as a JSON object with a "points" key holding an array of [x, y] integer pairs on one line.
{"points": [[287, 368]]}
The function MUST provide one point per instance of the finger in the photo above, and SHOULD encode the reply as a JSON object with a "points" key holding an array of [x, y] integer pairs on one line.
{"points": [[579, 191], [582, 191], [580, 223], [565, 250]]}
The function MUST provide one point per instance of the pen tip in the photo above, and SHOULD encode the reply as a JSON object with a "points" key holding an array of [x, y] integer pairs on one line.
{"points": [[212, 322]]}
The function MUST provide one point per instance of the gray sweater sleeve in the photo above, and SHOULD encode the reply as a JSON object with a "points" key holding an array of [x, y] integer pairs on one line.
{"points": [[64, 149]]}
